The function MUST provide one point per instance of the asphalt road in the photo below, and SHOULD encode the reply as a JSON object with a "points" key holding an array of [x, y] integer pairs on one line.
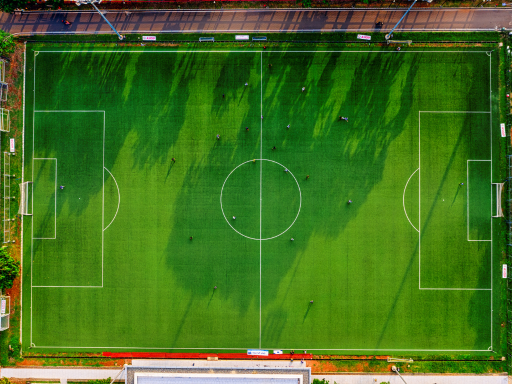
{"points": [[282, 20]]}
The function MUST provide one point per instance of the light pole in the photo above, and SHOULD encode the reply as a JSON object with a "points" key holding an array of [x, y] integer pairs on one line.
{"points": [[80, 2], [393, 368], [390, 34]]}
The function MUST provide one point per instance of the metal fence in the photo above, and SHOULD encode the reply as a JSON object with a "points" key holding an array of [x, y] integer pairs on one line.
{"points": [[507, 204], [7, 197]]}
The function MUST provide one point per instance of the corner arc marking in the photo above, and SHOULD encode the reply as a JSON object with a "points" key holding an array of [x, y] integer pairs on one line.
{"points": [[118, 198], [403, 200]]}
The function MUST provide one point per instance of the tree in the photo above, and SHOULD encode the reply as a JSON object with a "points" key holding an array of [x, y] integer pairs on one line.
{"points": [[11, 5], [6, 43], [9, 270]]}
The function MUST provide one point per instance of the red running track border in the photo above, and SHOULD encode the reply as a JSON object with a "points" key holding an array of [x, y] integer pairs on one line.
{"points": [[237, 356]]}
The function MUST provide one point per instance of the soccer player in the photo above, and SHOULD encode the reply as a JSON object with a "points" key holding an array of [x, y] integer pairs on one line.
{"points": [[303, 89], [349, 202], [292, 239], [218, 137], [246, 84], [286, 170], [461, 184], [173, 160], [247, 129], [273, 148], [190, 237], [234, 217], [307, 177], [61, 187], [288, 126]]}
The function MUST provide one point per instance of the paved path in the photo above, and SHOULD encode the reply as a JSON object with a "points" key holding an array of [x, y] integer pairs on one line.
{"points": [[64, 374], [285, 20], [414, 379]]}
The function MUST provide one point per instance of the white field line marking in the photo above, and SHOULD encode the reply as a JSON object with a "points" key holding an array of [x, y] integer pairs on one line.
{"points": [[67, 286], [55, 217], [261, 170], [465, 112], [419, 194], [455, 289], [253, 51], [403, 200], [253, 238], [419, 237], [32, 221], [103, 206], [419, 199], [467, 197], [280, 347], [23, 178], [70, 111], [490, 136], [118, 198]]}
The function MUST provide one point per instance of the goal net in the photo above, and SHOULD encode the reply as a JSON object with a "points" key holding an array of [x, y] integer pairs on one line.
{"points": [[499, 210], [2, 71], [25, 198], [5, 120], [4, 89], [5, 311]]}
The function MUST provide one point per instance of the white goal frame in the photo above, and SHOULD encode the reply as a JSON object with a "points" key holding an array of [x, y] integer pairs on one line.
{"points": [[499, 189], [24, 200]]}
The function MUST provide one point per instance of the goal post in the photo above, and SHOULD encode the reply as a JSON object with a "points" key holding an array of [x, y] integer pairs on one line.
{"points": [[25, 198], [499, 189]]}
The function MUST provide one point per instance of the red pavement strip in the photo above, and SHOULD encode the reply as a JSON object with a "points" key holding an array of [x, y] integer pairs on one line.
{"points": [[161, 355]]}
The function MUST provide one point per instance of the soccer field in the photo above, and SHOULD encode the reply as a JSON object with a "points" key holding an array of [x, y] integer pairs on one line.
{"points": [[200, 200]]}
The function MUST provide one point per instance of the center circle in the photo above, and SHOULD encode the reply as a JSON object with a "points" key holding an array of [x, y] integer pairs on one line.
{"points": [[259, 199]]}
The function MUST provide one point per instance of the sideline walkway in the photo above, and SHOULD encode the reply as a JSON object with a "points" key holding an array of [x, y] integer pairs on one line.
{"points": [[93, 373], [258, 21], [62, 373], [414, 379]]}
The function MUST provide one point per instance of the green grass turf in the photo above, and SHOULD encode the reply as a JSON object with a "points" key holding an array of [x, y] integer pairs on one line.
{"points": [[148, 286]]}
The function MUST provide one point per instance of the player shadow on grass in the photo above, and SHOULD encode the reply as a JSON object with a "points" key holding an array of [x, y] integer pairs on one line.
{"points": [[482, 340], [357, 150]]}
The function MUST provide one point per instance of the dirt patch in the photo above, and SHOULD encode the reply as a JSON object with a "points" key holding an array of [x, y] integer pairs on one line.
{"points": [[351, 364], [30, 362], [113, 363], [321, 366]]}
